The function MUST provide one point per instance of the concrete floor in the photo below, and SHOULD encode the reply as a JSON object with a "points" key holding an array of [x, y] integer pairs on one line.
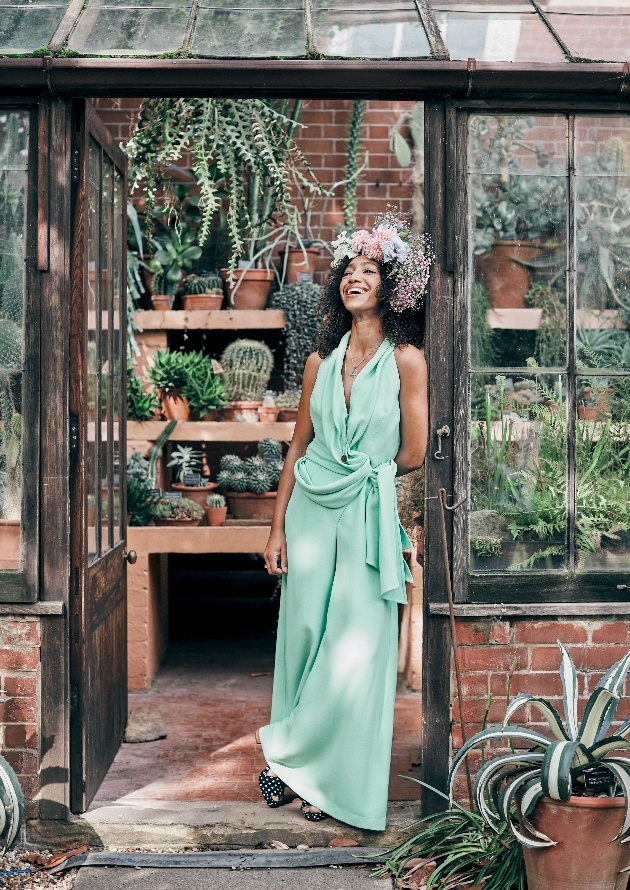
{"points": [[213, 694]]}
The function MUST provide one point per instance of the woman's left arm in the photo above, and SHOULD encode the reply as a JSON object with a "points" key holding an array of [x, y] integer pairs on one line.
{"points": [[414, 408]]}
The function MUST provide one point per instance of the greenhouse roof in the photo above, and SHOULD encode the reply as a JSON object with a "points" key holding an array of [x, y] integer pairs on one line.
{"points": [[90, 46]]}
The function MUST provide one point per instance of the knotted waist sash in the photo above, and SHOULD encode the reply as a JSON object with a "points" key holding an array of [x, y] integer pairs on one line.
{"points": [[385, 537]]}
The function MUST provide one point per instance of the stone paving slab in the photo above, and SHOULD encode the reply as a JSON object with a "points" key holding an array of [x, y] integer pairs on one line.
{"points": [[330, 878]]}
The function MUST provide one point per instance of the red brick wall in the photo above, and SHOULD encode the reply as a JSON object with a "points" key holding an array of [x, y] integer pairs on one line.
{"points": [[526, 653], [19, 701]]}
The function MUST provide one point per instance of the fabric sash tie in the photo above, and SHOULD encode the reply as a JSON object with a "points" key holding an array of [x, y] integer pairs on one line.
{"points": [[385, 537]]}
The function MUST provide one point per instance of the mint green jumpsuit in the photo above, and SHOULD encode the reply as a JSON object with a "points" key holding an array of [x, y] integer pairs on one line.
{"points": [[332, 712]]}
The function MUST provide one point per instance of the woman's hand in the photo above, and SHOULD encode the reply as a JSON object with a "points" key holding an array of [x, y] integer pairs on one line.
{"points": [[276, 553]]}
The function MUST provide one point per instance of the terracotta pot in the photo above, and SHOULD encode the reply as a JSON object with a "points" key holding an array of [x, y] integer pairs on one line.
{"points": [[179, 523], [602, 397], [288, 415], [506, 281], [246, 505], [202, 301], [10, 540], [174, 406], [253, 289], [160, 302], [212, 415], [296, 263], [215, 515], [241, 412], [268, 414], [196, 493], [585, 857], [588, 412]]}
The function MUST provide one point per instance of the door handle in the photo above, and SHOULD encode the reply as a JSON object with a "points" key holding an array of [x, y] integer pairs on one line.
{"points": [[131, 557], [443, 432]]}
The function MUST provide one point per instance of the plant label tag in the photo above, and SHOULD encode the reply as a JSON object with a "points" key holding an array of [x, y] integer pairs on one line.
{"points": [[244, 264], [192, 479], [217, 367], [304, 277], [154, 493], [598, 778], [172, 495]]}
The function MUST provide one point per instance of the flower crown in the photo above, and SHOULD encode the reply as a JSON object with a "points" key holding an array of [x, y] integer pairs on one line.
{"points": [[391, 241]]}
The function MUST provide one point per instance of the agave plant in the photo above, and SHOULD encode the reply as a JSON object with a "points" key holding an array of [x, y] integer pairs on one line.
{"points": [[508, 787]]}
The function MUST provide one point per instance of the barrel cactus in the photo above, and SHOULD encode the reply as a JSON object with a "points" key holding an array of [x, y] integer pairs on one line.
{"points": [[247, 366], [214, 283], [194, 284], [270, 449], [11, 805], [258, 474], [215, 501], [158, 285]]}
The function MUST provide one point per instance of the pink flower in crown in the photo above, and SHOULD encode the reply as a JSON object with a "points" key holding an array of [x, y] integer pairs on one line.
{"points": [[360, 241]]}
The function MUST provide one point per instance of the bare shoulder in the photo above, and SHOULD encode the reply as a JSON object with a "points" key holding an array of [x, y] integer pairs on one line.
{"points": [[310, 370], [411, 361]]}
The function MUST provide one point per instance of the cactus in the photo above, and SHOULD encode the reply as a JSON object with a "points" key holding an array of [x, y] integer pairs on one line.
{"points": [[259, 481], [247, 366], [274, 470], [215, 501], [253, 465], [214, 283], [270, 449], [158, 285], [288, 399], [617, 151], [194, 284], [231, 463], [180, 508], [238, 481]]}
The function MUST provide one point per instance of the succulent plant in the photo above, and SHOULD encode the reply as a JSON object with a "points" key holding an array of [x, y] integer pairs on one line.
{"points": [[176, 508], [258, 474], [231, 463], [290, 398], [141, 405], [270, 449], [214, 283], [299, 304], [247, 366], [169, 369], [215, 501], [194, 284], [186, 459], [259, 481], [274, 469], [203, 389], [158, 285]]}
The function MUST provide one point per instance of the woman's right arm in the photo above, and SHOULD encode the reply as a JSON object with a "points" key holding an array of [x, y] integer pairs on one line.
{"points": [[276, 550]]}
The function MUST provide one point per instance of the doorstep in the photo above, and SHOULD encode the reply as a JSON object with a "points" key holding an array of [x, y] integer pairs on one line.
{"points": [[207, 824]]}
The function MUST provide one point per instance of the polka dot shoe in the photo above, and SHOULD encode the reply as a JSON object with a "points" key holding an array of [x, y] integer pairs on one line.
{"points": [[271, 788], [312, 817]]}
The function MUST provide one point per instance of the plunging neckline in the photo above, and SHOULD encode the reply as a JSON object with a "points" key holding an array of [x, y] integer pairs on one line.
{"points": [[348, 404]]}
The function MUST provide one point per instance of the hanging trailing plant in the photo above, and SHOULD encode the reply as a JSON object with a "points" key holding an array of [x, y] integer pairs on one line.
{"points": [[243, 152], [352, 167]]}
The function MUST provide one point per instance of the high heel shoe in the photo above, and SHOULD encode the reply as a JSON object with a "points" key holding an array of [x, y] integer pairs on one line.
{"points": [[312, 817], [271, 788]]}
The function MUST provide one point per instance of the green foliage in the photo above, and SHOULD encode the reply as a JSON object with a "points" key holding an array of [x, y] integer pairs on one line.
{"points": [[482, 348], [462, 850], [299, 304], [352, 164], [169, 369], [258, 474], [486, 546], [175, 252], [290, 398], [247, 366], [156, 451], [215, 501], [186, 460], [141, 405], [551, 334], [270, 449], [203, 388], [243, 151], [158, 284], [176, 508], [508, 787], [141, 494]]}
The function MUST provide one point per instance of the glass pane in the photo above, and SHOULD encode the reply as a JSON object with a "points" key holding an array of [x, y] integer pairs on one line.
{"points": [[118, 320], [496, 36], [93, 356], [13, 192], [106, 314], [250, 33], [601, 37], [518, 489], [518, 211], [388, 33], [23, 30], [119, 31], [603, 486]]}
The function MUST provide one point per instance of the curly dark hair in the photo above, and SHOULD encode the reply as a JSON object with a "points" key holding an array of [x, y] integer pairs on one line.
{"points": [[400, 328]]}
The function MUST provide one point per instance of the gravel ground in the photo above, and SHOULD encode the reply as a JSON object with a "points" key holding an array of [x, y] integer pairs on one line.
{"points": [[19, 860]]}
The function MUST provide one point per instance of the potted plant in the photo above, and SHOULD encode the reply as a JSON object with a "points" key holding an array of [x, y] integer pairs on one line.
{"points": [[299, 304], [159, 298], [566, 799], [247, 366], [288, 402], [175, 253], [202, 292], [251, 485], [268, 412], [168, 373], [518, 216], [141, 405], [11, 491], [215, 509], [141, 493], [177, 512], [204, 390], [190, 482]]}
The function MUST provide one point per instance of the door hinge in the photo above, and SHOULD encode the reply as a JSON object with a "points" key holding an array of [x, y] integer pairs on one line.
{"points": [[74, 437], [75, 165], [74, 699]]}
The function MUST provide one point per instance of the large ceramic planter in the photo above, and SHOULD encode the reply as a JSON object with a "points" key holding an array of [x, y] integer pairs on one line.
{"points": [[241, 412], [298, 264], [585, 856], [502, 274], [246, 505], [196, 493], [179, 523], [253, 288], [174, 406], [202, 301]]}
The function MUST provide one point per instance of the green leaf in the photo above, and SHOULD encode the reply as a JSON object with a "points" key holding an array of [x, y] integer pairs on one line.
{"points": [[544, 707], [487, 772], [595, 713], [556, 769], [612, 743], [401, 149], [568, 676], [621, 771], [530, 796]]}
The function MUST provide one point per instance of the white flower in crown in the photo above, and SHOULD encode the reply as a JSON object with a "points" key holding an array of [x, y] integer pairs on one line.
{"points": [[342, 248]]}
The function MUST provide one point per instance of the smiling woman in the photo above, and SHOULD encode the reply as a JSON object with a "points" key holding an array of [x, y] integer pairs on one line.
{"points": [[362, 420]]}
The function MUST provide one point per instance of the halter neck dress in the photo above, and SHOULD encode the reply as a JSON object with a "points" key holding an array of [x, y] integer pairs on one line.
{"points": [[334, 688]]}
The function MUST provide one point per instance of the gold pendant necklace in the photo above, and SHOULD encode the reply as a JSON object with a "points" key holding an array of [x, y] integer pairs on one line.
{"points": [[355, 372]]}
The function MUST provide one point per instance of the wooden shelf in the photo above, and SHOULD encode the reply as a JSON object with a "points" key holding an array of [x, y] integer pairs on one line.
{"points": [[203, 539], [211, 431], [215, 319]]}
